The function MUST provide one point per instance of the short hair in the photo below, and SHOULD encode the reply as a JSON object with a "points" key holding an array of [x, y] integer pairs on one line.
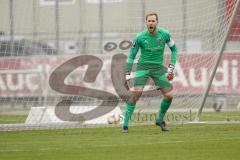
{"points": [[152, 14]]}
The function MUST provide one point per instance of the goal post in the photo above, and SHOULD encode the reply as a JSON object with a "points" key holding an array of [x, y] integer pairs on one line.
{"points": [[234, 14]]}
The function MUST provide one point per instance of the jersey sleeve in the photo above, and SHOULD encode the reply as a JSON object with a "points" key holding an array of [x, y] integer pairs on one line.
{"points": [[132, 53], [174, 50]]}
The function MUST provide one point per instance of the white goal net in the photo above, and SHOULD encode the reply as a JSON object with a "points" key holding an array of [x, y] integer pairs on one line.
{"points": [[61, 61]]}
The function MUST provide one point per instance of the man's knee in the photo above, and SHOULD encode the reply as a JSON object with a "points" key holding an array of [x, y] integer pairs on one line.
{"points": [[168, 96], [134, 97]]}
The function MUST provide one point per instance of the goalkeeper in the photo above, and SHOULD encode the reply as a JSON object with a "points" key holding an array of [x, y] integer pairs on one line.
{"points": [[150, 64]]}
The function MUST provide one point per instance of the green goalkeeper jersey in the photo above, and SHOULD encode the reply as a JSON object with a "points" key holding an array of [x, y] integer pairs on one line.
{"points": [[152, 48]]}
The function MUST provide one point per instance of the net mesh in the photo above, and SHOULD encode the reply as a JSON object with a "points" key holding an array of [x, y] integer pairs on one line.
{"points": [[45, 46]]}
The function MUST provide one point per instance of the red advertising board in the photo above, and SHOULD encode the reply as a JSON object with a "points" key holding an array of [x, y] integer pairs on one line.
{"points": [[29, 76], [235, 30]]}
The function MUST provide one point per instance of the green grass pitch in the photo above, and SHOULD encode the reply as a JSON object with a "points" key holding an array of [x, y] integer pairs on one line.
{"points": [[183, 142]]}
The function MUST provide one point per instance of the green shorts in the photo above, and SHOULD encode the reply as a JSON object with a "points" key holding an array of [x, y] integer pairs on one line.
{"points": [[158, 75]]}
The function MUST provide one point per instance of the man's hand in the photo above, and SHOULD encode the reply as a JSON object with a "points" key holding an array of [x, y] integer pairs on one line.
{"points": [[170, 73]]}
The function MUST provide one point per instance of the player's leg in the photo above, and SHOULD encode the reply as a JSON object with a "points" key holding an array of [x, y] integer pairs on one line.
{"points": [[166, 88], [139, 83], [164, 106], [130, 106]]}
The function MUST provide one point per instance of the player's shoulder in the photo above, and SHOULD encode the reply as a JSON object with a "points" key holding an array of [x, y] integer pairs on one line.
{"points": [[140, 35], [163, 31]]}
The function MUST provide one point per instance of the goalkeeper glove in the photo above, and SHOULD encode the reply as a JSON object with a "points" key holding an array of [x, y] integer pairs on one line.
{"points": [[127, 75], [170, 73], [127, 78]]}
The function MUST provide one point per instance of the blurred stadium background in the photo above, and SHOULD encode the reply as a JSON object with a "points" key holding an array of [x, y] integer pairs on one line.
{"points": [[37, 36]]}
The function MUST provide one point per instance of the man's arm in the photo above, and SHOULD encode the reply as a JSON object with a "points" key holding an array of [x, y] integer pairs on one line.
{"points": [[174, 51], [132, 54], [174, 55]]}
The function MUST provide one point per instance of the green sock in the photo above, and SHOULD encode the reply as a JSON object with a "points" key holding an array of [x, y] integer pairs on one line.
{"points": [[128, 113], [165, 104]]}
